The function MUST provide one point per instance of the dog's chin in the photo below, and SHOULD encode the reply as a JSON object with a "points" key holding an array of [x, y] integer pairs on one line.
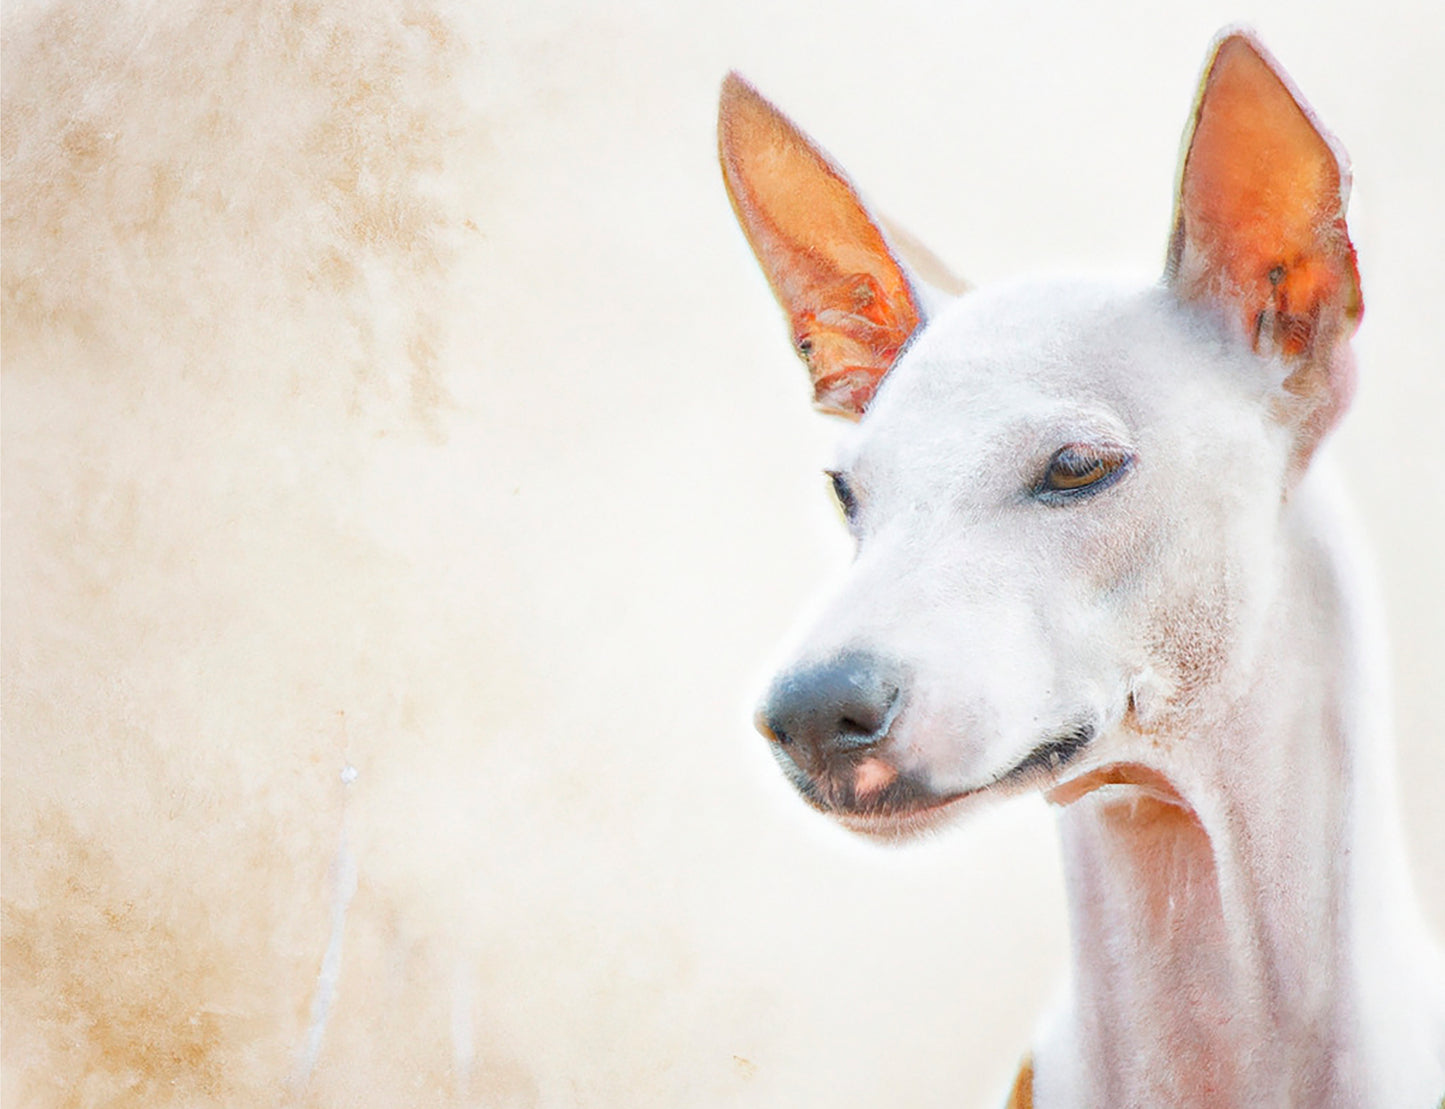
{"points": [[900, 824], [902, 810]]}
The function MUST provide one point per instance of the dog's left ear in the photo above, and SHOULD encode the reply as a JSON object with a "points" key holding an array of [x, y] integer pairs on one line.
{"points": [[1259, 230], [848, 300]]}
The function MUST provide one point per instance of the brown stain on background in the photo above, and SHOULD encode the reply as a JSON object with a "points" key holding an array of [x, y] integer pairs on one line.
{"points": [[180, 167], [128, 990], [186, 192]]}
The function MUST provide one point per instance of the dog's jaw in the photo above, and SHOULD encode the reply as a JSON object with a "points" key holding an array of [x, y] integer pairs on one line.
{"points": [[871, 796]]}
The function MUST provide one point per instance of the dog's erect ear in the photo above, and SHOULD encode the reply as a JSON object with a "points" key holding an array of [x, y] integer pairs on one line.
{"points": [[1259, 225], [848, 299]]}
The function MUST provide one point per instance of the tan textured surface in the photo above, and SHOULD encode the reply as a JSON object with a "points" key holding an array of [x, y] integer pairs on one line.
{"points": [[388, 390]]}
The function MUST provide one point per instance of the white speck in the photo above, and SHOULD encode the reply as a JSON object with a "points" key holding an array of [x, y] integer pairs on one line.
{"points": [[349, 774]]}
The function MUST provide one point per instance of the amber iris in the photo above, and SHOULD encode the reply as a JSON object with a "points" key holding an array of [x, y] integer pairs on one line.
{"points": [[1077, 467]]}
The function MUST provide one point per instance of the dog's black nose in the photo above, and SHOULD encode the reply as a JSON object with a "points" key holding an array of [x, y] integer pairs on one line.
{"points": [[822, 710]]}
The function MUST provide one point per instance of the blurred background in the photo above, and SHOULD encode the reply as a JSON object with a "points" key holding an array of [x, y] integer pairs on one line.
{"points": [[406, 485]]}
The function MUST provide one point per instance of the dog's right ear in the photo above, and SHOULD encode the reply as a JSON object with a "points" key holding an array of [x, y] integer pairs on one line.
{"points": [[850, 303]]}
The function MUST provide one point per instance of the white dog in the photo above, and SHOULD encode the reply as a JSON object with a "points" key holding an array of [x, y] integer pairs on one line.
{"points": [[1097, 557]]}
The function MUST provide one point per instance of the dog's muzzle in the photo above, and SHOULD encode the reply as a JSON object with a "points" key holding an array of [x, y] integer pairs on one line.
{"points": [[828, 722]]}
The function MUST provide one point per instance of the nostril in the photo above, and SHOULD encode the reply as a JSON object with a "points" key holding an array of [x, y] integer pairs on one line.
{"points": [[770, 729], [869, 715]]}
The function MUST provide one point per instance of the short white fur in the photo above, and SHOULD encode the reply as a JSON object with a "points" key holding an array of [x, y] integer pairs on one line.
{"points": [[1243, 928]]}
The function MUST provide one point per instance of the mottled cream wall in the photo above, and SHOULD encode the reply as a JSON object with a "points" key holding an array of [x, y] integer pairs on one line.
{"points": [[406, 482]]}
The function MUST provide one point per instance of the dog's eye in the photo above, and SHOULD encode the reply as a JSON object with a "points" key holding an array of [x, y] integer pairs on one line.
{"points": [[1077, 469], [844, 492]]}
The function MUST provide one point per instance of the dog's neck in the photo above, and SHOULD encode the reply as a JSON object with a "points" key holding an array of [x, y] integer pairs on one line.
{"points": [[1241, 920]]}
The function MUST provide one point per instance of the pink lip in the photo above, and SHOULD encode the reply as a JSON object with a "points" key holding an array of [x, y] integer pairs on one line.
{"points": [[871, 777]]}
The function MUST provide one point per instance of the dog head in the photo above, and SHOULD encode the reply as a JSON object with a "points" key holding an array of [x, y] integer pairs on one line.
{"points": [[1066, 494]]}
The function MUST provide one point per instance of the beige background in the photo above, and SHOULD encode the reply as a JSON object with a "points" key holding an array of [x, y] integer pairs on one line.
{"points": [[406, 481]]}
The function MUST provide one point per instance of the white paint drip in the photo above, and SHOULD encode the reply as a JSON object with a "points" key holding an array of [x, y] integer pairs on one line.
{"points": [[343, 888], [463, 1030]]}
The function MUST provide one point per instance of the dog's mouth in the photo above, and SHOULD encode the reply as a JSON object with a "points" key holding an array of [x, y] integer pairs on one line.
{"points": [[870, 787], [870, 794]]}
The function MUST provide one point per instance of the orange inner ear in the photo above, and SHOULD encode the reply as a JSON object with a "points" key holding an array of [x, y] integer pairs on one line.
{"points": [[1261, 221], [849, 303]]}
